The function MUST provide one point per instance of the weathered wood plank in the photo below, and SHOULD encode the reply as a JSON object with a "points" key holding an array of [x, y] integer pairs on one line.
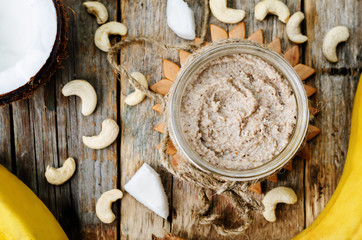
{"points": [[42, 109], [96, 169], [25, 155], [319, 19], [5, 138], [336, 84], [186, 203], [329, 150], [143, 18], [271, 26], [57, 198], [288, 222]]}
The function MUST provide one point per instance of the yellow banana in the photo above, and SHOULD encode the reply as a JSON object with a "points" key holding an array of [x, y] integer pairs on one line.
{"points": [[341, 219], [22, 214]]}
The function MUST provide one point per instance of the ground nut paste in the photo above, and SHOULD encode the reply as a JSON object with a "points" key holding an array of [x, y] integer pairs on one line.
{"points": [[238, 112]]}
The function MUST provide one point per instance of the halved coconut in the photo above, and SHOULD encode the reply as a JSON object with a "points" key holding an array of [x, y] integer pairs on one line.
{"points": [[33, 37]]}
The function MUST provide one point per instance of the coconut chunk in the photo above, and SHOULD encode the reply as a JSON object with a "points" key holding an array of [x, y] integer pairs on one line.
{"points": [[146, 187], [180, 18], [26, 40]]}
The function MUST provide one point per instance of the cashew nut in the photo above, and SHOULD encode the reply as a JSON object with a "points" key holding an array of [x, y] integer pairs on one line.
{"points": [[137, 96], [105, 138], [101, 38], [98, 10], [104, 205], [293, 28], [275, 7], [332, 39], [224, 14], [85, 91], [275, 196], [58, 176]]}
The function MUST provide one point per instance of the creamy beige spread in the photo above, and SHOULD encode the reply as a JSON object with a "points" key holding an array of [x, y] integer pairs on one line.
{"points": [[238, 112]]}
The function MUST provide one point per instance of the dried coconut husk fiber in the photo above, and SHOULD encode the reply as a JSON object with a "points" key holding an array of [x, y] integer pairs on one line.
{"points": [[235, 191]]}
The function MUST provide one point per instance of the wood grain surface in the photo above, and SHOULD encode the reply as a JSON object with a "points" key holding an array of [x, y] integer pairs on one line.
{"points": [[47, 128]]}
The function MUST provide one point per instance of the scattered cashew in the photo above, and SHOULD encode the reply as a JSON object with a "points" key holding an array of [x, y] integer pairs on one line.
{"points": [[85, 91], [332, 39], [275, 7], [98, 10], [104, 205], [293, 28], [275, 196], [101, 38], [227, 15], [105, 138], [58, 176], [137, 96]]}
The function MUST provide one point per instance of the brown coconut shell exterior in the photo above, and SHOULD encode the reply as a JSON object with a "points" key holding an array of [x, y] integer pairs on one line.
{"points": [[52, 64]]}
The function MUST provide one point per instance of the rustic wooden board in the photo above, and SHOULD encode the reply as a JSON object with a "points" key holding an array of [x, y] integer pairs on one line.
{"points": [[143, 18], [97, 170], [25, 155], [5, 137], [319, 20], [336, 84], [329, 150], [47, 128]]}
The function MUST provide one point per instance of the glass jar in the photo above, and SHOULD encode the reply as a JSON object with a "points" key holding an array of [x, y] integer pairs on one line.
{"points": [[217, 50]]}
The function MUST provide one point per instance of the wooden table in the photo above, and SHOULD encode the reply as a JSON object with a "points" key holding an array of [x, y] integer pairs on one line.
{"points": [[47, 128]]}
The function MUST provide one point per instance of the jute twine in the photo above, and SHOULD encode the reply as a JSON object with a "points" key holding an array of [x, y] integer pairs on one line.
{"points": [[235, 192]]}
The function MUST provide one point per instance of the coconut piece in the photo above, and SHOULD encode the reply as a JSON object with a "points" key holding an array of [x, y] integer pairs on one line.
{"points": [[180, 18], [26, 43], [146, 187]]}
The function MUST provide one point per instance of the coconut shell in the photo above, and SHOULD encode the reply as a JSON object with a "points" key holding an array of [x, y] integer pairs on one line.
{"points": [[52, 64]]}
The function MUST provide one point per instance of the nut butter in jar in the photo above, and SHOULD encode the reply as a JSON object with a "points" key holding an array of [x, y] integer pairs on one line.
{"points": [[238, 109]]}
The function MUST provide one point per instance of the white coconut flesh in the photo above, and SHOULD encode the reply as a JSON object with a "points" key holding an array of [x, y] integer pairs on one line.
{"points": [[28, 30]]}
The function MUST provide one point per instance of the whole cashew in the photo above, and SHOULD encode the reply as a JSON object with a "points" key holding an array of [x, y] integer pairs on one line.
{"points": [[104, 205], [332, 39], [293, 28], [85, 91], [274, 7], [224, 14], [101, 38], [137, 96], [98, 10], [275, 196], [58, 176], [105, 138]]}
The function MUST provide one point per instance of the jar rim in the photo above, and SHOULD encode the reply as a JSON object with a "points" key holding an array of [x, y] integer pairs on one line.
{"points": [[223, 48]]}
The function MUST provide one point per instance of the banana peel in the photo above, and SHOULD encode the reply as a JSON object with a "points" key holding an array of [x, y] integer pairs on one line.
{"points": [[22, 214], [341, 219]]}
